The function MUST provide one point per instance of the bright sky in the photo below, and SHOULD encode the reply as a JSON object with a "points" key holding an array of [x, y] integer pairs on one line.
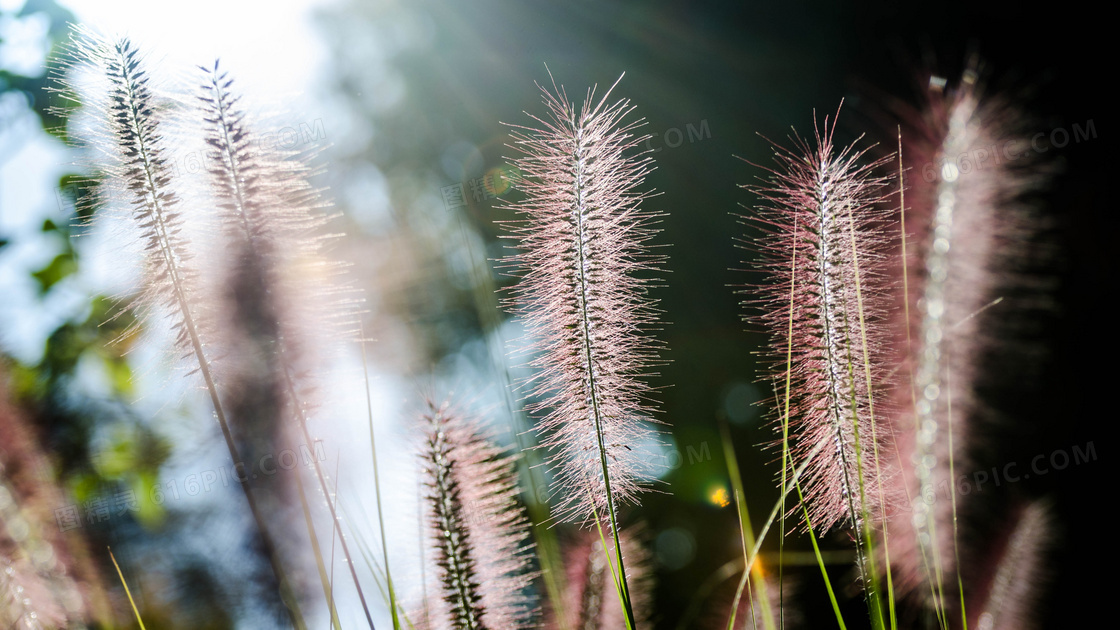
{"points": [[272, 47]]}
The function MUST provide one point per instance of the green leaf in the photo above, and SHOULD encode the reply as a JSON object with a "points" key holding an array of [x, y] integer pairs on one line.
{"points": [[149, 504], [62, 266], [120, 375]]}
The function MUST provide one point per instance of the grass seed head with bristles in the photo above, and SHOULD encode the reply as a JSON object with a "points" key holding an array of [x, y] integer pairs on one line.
{"points": [[252, 375], [283, 300], [589, 597], [583, 267], [1013, 576], [270, 216], [126, 122], [969, 230], [271, 211], [821, 218], [479, 533], [122, 124]]}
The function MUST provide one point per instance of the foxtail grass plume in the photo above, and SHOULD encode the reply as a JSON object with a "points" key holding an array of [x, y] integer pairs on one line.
{"points": [[274, 220], [478, 532], [590, 601], [253, 378], [270, 217], [822, 243], [584, 269], [283, 302], [1014, 575], [249, 309], [965, 202], [125, 126]]}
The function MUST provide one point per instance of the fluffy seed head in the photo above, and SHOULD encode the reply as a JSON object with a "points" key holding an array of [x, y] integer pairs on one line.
{"points": [[590, 600], [584, 266], [969, 227], [1014, 577], [479, 533], [124, 121], [822, 245], [273, 220]]}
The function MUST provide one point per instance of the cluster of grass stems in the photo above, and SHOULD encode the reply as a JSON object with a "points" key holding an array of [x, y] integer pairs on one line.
{"points": [[841, 270]]}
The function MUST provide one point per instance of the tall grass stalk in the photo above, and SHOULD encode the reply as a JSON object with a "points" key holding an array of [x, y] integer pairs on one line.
{"points": [[815, 202], [747, 533], [972, 226], [271, 215], [825, 203], [377, 494], [127, 591], [583, 237], [324, 579]]}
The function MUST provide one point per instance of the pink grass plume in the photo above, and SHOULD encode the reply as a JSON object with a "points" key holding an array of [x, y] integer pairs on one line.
{"points": [[584, 268], [823, 238], [478, 532]]}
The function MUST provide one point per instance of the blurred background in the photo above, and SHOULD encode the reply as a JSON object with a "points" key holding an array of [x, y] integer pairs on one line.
{"points": [[401, 105]]}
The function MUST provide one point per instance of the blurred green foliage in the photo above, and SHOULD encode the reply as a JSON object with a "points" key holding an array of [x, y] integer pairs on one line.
{"points": [[35, 88], [99, 334]]}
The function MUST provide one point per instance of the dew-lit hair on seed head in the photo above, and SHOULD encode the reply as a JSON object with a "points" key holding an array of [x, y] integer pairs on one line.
{"points": [[968, 226], [478, 532], [584, 269], [823, 238]]}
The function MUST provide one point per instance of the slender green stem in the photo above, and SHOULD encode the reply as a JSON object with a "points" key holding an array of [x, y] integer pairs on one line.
{"points": [[593, 394], [615, 574], [820, 560], [785, 417], [747, 534], [126, 591], [328, 590], [377, 491]]}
